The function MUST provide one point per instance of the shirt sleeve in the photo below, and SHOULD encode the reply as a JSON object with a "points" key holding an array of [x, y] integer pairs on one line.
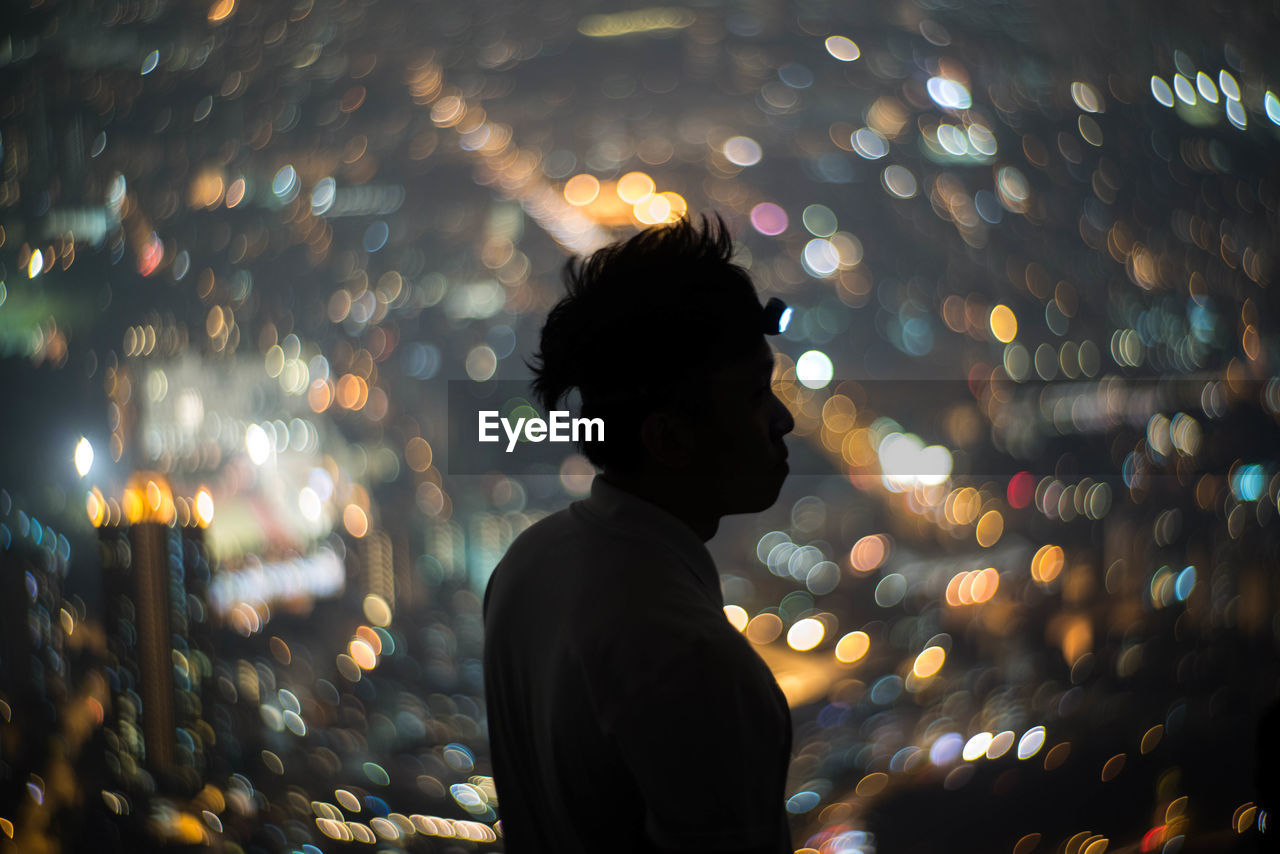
{"points": [[705, 732]]}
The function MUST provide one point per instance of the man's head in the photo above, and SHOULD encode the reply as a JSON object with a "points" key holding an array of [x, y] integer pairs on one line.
{"points": [[662, 336]]}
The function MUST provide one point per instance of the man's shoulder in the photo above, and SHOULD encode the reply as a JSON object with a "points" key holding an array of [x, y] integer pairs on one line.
{"points": [[552, 552], [584, 561], [554, 525], [573, 535]]}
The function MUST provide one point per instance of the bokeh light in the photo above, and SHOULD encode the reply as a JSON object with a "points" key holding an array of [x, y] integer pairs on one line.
{"points": [[249, 255]]}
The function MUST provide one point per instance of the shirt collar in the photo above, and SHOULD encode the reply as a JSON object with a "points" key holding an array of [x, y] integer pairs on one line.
{"points": [[627, 512]]}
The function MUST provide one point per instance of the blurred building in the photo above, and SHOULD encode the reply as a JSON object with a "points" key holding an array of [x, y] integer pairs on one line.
{"points": [[34, 673], [156, 579], [277, 470]]}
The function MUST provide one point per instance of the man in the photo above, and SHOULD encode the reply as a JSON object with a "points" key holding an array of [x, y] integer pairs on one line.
{"points": [[625, 713]]}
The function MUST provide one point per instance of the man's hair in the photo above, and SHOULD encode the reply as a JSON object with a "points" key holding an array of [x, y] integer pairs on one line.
{"points": [[641, 318]]}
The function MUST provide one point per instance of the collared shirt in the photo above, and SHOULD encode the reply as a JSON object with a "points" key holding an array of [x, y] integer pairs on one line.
{"points": [[625, 713]]}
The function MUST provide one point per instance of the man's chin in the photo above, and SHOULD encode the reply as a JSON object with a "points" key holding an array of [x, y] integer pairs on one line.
{"points": [[754, 495]]}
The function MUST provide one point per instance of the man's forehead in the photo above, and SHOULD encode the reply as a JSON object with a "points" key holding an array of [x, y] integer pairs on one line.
{"points": [[750, 364]]}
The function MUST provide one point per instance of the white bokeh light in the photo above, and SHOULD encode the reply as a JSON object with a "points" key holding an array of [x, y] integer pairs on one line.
{"points": [[83, 456], [309, 503], [257, 443], [820, 258], [743, 151], [948, 93], [814, 369], [843, 48], [906, 462]]}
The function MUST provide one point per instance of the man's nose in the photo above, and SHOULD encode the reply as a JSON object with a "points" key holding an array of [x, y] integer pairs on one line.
{"points": [[783, 421]]}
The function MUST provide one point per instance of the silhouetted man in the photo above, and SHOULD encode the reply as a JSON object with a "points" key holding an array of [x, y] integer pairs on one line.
{"points": [[625, 713]]}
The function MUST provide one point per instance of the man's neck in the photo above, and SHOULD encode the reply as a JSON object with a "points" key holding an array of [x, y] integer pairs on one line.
{"points": [[675, 495]]}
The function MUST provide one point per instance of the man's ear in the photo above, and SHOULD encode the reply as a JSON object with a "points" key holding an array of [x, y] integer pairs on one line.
{"points": [[669, 439]]}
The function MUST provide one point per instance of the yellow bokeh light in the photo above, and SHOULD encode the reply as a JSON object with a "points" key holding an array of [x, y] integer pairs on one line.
{"points": [[448, 111], [331, 828], [636, 21], [635, 187], [185, 829], [372, 638], [677, 205], [215, 323], [929, 662], [985, 582], [973, 587], [805, 634], [990, 529], [1027, 844], [96, 506], [133, 505], [872, 784], [204, 507], [1076, 639], [1243, 818], [148, 498], [839, 413], [581, 190], [221, 10], [417, 453], [320, 395], [1095, 846], [1112, 767], [355, 520], [362, 653], [736, 616], [1047, 563], [662, 208], [868, 552], [1004, 324], [206, 190], [376, 610], [852, 647], [764, 628], [652, 210], [280, 649], [963, 505], [352, 392]]}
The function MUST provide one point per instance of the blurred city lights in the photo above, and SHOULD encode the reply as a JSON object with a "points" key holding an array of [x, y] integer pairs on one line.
{"points": [[1031, 371], [83, 456], [842, 48]]}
